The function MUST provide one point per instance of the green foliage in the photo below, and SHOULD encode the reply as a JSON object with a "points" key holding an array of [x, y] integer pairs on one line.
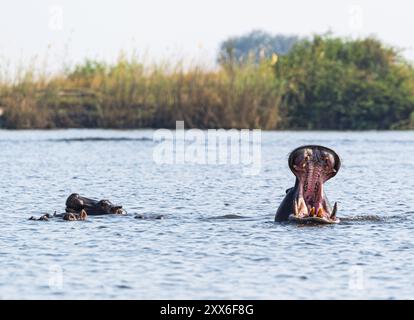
{"points": [[88, 69], [343, 84]]}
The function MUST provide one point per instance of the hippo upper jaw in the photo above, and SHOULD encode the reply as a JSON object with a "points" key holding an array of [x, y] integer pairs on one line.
{"points": [[313, 166]]}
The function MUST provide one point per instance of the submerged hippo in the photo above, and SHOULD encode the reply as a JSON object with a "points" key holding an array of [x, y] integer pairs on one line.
{"points": [[312, 165], [75, 217], [82, 216], [76, 203], [44, 217], [78, 208]]}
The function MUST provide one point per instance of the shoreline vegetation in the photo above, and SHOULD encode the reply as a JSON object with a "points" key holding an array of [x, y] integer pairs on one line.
{"points": [[322, 83]]}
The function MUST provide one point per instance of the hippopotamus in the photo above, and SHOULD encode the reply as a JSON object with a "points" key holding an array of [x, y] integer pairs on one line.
{"points": [[312, 166], [75, 217], [78, 208], [76, 203], [44, 217], [66, 216]]}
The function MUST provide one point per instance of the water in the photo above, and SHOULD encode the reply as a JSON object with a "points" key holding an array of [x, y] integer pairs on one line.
{"points": [[218, 239]]}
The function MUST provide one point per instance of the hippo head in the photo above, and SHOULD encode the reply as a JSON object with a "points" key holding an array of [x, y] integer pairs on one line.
{"points": [[313, 165], [107, 207], [75, 203], [75, 217]]}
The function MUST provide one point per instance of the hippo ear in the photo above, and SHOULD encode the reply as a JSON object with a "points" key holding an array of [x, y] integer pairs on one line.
{"points": [[288, 190]]}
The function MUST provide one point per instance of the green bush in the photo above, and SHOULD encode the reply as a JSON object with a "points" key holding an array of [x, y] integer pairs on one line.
{"points": [[344, 84]]}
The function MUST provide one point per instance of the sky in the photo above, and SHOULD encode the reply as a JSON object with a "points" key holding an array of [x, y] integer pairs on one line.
{"points": [[68, 31]]}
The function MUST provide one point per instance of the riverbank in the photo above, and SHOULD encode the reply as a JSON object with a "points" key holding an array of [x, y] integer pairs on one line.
{"points": [[324, 83]]}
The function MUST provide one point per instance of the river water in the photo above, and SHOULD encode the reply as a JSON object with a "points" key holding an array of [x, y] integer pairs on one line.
{"points": [[217, 239]]}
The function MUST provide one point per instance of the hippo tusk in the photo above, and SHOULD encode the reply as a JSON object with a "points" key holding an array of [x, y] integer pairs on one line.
{"points": [[296, 209], [334, 210]]}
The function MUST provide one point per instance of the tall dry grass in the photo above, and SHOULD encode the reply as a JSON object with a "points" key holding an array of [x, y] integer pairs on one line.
{"points": [[133, 94]]}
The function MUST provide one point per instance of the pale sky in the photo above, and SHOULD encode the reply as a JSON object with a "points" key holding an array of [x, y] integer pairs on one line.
{"points": [[71, 30]]}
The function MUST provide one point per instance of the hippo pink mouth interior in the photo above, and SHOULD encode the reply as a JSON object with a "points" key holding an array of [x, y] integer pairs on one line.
{"points": [[313, 167]]}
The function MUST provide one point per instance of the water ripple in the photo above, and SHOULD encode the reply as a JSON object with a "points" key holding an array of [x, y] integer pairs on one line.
{"points": [[217, 238]]}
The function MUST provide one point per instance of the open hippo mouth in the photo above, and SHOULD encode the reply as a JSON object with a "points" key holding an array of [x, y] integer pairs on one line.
{"points": [[313, 166]]}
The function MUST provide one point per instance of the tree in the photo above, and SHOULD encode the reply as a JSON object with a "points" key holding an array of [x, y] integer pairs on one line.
{"points": [[256, 45]]}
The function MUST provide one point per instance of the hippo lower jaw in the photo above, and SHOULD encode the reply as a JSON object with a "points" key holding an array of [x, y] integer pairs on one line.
{"points": [[314, 207], [313, 166]]}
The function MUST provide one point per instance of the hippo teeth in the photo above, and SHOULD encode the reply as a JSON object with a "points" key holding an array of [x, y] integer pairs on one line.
{"points": [[334, 210], [320, 213], [301, 209], [295, 207], [312, 212]]}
